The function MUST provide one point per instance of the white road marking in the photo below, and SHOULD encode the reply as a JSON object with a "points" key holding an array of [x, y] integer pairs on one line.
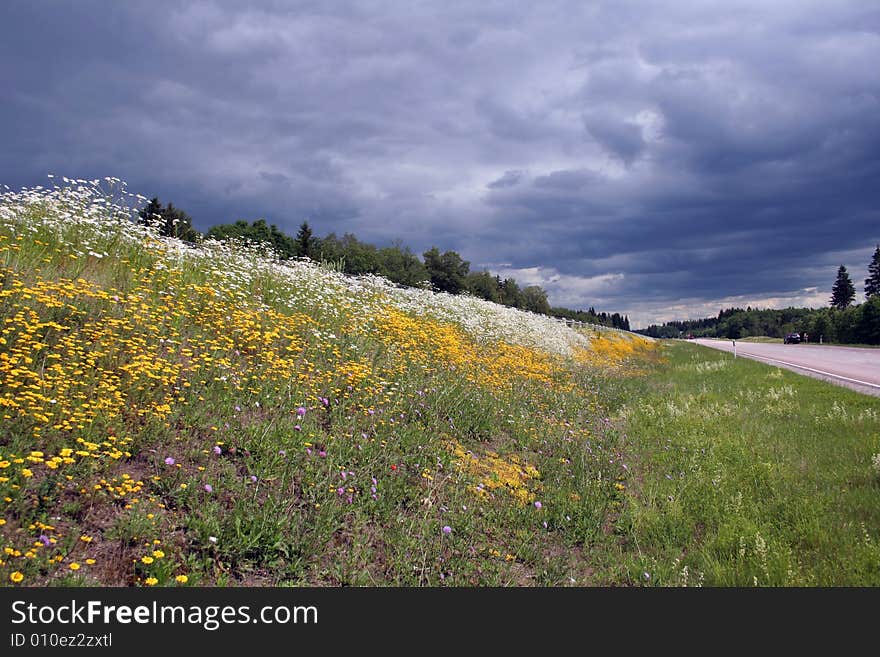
{"points": [[810, 369]]}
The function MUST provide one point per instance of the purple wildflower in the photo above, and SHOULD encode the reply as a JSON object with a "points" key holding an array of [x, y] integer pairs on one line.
{"points": [[218, 450], [538, 505], [447, 529], [253, 479], [301, 411], [296, 427], [169, 461], [209, 488], [45, 540]]}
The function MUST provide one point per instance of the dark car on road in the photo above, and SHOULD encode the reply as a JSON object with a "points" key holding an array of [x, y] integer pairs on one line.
{"points": [[792, 338]]}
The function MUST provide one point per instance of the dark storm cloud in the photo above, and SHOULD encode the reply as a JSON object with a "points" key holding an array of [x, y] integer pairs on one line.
{"points": [[509, 179], [621, 138], [649, 159]]}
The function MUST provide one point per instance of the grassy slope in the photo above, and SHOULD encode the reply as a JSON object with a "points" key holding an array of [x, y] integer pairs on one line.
{"points": [[174, 417], [133, 374], [749, 474]]}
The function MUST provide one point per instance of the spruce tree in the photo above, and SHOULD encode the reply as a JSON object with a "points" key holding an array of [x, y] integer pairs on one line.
{"points": [[843, 293], [171, 221], [151, 213], [305, 242], [872, 283]]}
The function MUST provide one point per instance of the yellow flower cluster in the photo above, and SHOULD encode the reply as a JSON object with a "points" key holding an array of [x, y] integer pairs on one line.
{"points": [[73, 352], [611, 350], [496, 473], [430, 344], [118, 488]]}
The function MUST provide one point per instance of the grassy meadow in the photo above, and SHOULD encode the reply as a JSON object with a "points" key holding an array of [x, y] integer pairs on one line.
{"points": [[179, 416]]}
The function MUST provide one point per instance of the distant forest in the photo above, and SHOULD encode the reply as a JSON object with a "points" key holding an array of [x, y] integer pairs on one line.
{"points": [[444, 272], [842, 321]]}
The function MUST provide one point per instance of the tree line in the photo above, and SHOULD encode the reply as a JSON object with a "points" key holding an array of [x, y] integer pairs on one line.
{"points": [[444, 272], [842, 321]]}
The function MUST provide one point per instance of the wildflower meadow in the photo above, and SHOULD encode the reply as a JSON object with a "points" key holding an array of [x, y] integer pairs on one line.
{"points": [[178, 415]]}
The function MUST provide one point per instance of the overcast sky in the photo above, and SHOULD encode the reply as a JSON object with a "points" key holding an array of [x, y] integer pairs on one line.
{"points": [[658, 159]]}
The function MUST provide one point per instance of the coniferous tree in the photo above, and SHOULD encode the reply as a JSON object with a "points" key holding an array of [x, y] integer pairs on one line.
{"points": [[177, 223], [872, 283], [843, 293], [171, 221], [151, 213], [305, 242]]}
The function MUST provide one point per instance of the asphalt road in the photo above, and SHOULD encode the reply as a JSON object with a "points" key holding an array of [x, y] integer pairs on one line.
{"points": [[853, 367]]}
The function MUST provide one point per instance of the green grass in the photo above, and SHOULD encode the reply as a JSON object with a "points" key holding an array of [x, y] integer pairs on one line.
{"points": [[761, 338], [746, 474]]}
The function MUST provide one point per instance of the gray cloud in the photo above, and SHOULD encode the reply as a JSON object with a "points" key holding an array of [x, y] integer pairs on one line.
{"points": [[638, 158], [509, 179]]}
